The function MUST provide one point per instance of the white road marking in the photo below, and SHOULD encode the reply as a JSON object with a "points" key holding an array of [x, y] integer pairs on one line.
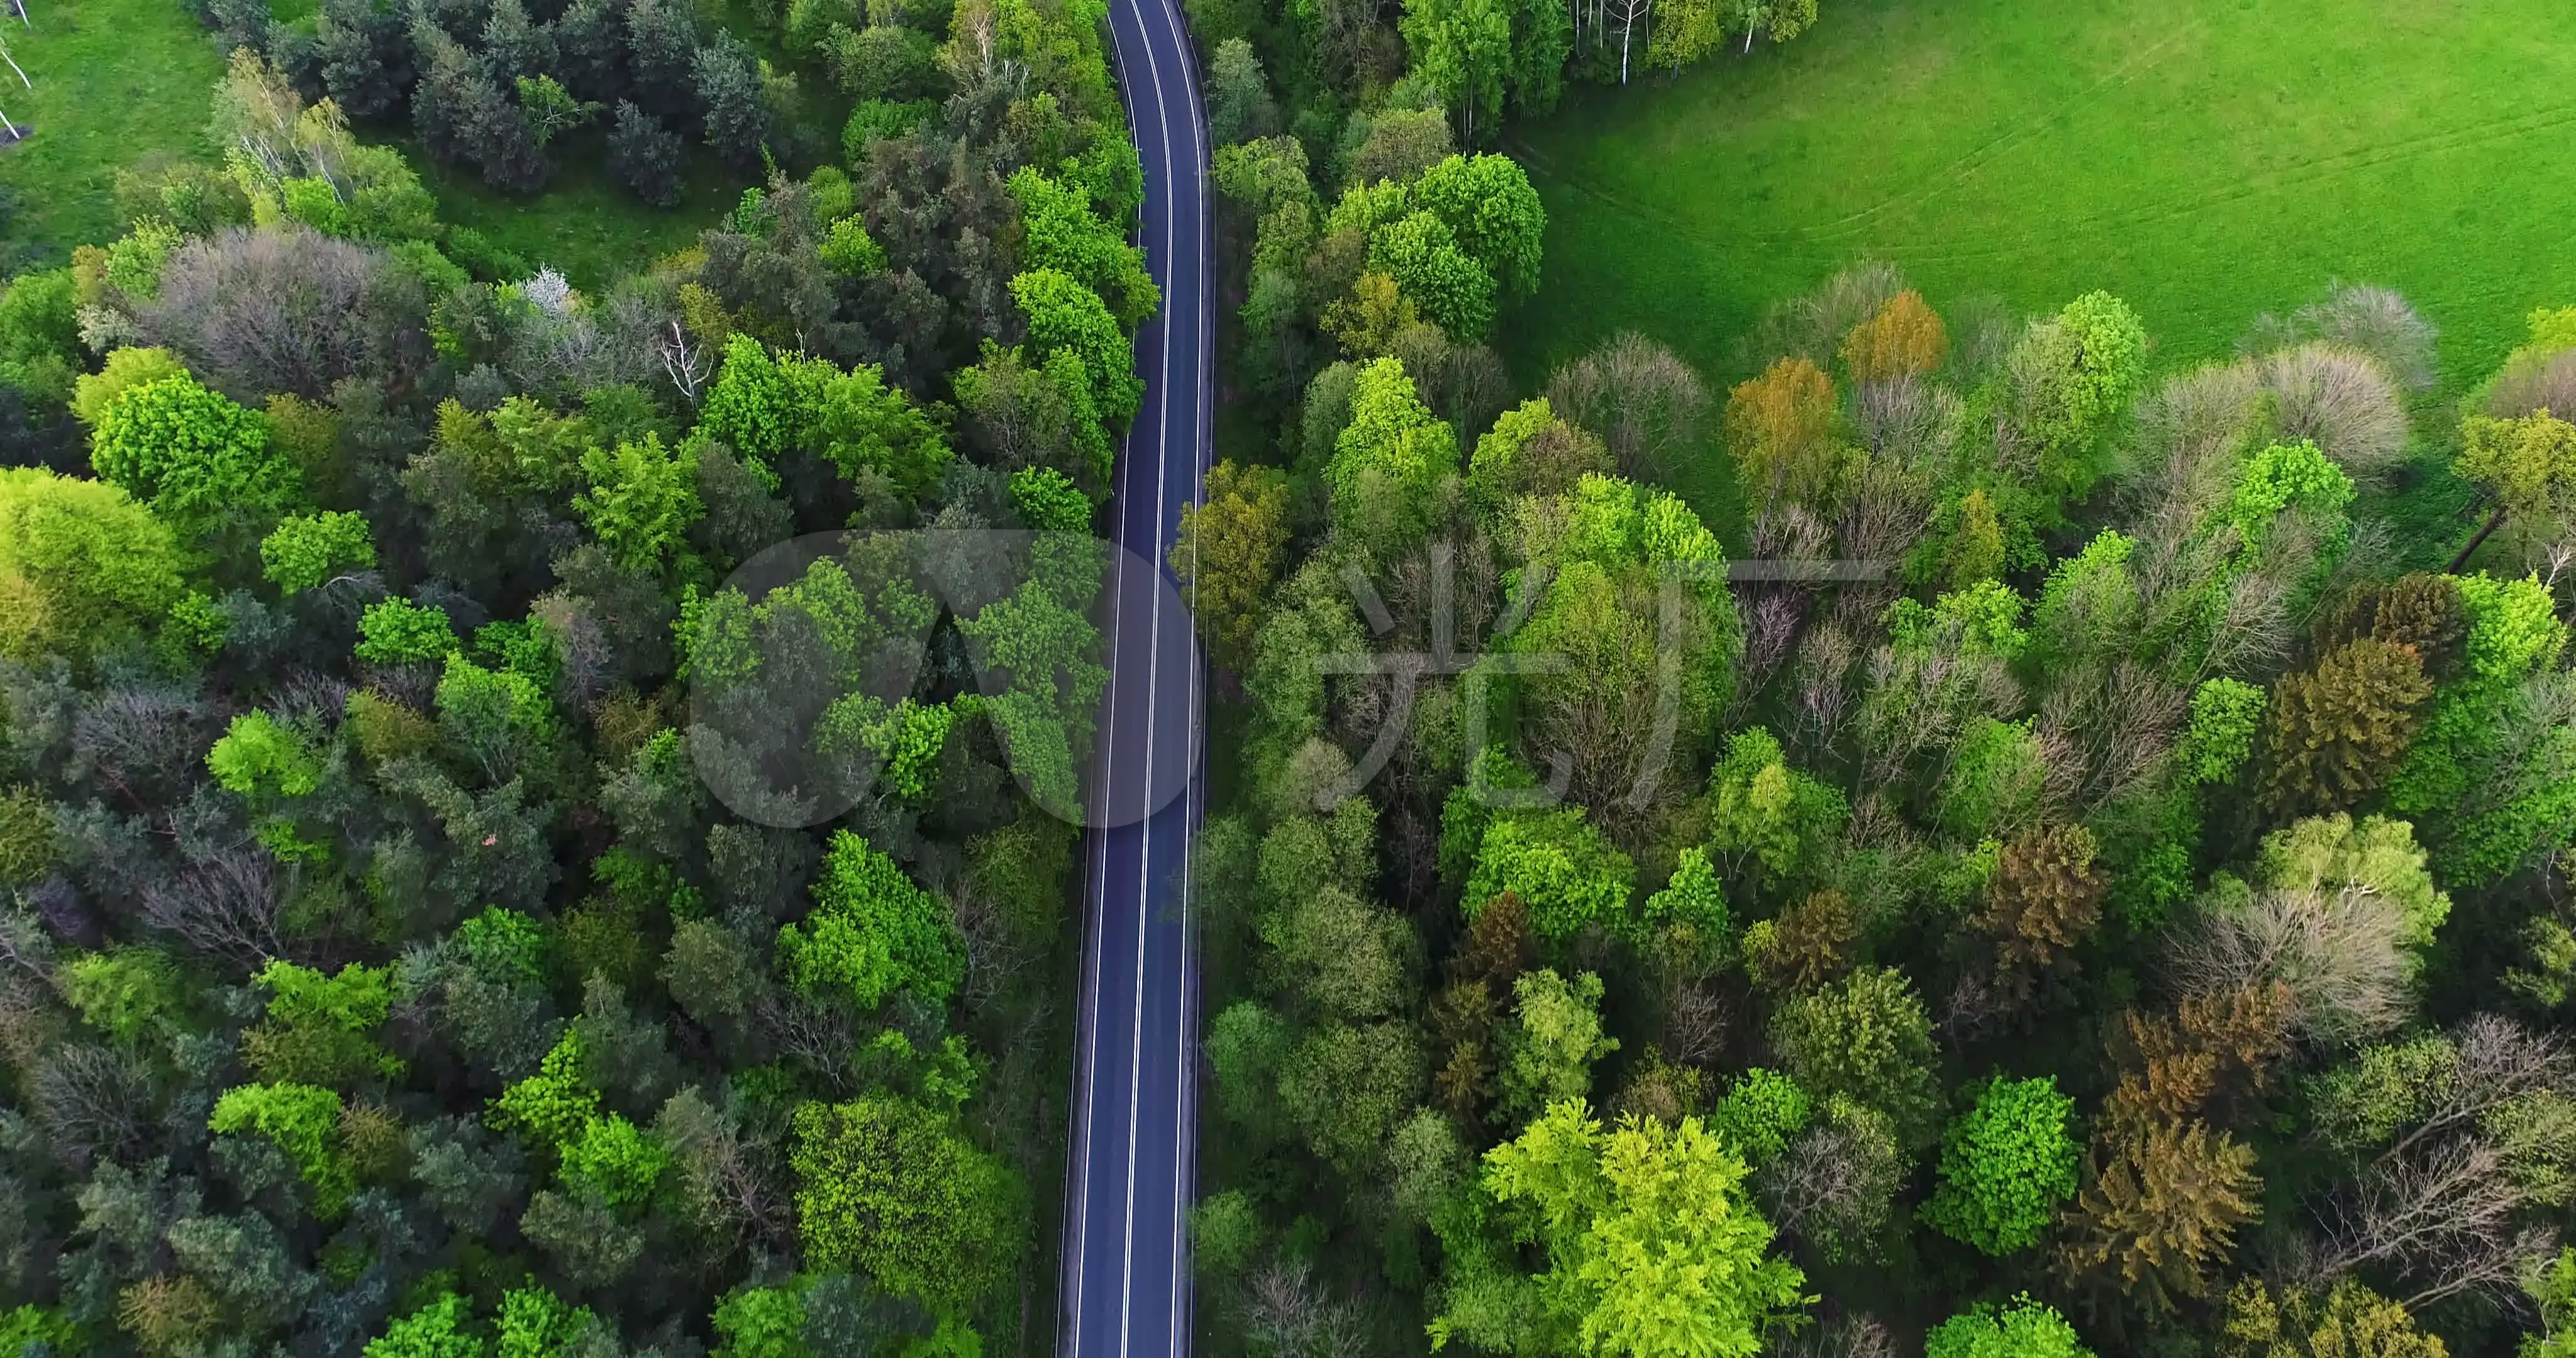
{"points": [[1153, 687]]}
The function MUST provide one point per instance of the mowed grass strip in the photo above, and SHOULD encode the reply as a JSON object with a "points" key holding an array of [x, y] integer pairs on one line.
{"points": [[2207, 160]]}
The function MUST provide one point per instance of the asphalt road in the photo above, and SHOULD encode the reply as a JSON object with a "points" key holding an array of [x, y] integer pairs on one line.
{"points": [[1133, 1168]]}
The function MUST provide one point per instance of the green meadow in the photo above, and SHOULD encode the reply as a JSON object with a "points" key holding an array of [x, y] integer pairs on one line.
{"points": [[2207, 162]]}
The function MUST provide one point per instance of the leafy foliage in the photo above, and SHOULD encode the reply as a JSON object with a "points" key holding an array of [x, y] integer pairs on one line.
{"points": [[888, 1186], [2005, 1166]]}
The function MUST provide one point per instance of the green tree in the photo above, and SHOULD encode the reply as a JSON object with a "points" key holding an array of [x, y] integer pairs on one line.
{"points": [[2552, 1289], [1039, 641], [1049, 501], [2071, 375], [1553, 1041], [1062, 233], [2006, 1164], [1429, 268], [1464, 48], [40, 343], [2219, 738], [1388, 462], [125, 993], [1759, 1115], [873, 932], [550, 109], [1564, 869], [858, 422], [1868, 1039], [1542, 41], [305, 550], [762, 1322], [320, 1028], [1770, 821], [304, 1122], [1488, 205], [750, 405], [1651, 1245], [1228, 552], [885, 1185], [81, 565], [557, 1103], [1238, 94], [1021, 413], [850, 250], [2528, 463], [398, 631], [1693, 899], [2283, 476], [1347, 1087], [535, 1323], [192, 454], [503, 718], [615, 1161], [2025, 1329], [1225, 1233], [1997, 775], [1066, 317], [125, 369], [641, 500], [1246, 1044], [260, 760], [2463, 782], [441, 1329], [2377, 854]]}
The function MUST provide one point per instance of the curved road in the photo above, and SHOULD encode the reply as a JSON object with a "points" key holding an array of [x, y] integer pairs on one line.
{"points": [[1133, 1168]]}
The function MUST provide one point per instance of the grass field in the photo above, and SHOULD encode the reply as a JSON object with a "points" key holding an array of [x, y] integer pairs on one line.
{"points": [[585, 223], [2206, 160], [117, 80], [114, 80]]}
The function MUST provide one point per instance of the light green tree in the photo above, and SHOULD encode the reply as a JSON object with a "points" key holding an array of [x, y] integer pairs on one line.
{"points": [[81, 565], [1652, 1247], [873, 932], [191, 454], [1389, 461], [1061, 232], [2006, 1164], [1769, 821], [1563, 868], [640, 501], [2025, 1329], [305, 550], [304, 1122], [1464, 48], [893, 1188], [1554, 1039], [440, 1329], [1066, 317]]}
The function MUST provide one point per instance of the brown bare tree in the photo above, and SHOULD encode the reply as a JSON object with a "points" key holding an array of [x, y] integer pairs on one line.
{"points": [[2158, 1212], [1640, 397], [2044, 898], [256, 312], [2337, 953]]}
